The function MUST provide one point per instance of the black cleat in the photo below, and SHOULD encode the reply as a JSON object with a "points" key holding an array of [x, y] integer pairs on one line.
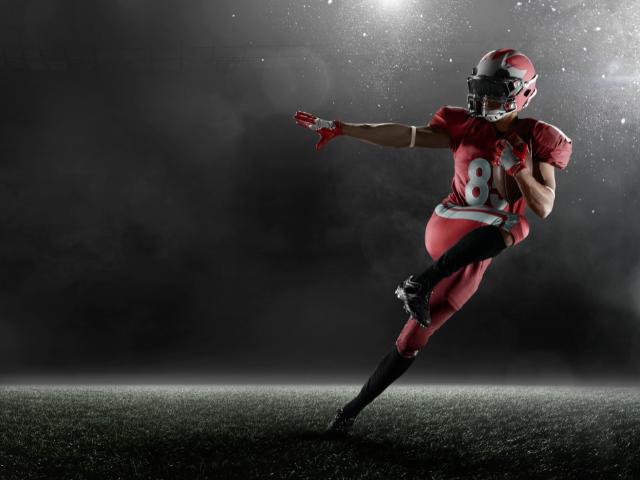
{"points": [[339, 426], [416, 300]]}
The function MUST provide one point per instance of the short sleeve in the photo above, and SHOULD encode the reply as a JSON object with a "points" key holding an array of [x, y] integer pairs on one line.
{"points": [[454, 121], [551, 145]]}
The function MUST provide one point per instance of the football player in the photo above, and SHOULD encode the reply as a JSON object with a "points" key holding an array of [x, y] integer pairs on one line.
{"points": [[473, 224]]}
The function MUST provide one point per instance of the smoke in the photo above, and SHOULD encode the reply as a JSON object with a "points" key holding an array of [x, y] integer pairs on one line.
{"points": [[176, 219]]}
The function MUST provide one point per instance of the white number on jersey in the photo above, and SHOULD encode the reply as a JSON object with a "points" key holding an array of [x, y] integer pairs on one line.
{"points": [[479, 182], [496, 201]]}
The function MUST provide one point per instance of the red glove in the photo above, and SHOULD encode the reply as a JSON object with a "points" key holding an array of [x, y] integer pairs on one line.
{"points": [[325, 128], [511, 158]]}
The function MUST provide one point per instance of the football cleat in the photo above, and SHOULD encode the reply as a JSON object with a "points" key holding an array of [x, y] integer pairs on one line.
{"points": [[416, 300], [339, 426]]}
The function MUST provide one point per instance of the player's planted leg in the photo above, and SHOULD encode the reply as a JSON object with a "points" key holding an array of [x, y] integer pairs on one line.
{"points": [[477, 245], [392, 366]]}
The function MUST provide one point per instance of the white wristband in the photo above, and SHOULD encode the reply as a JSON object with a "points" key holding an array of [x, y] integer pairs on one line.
{"points": [[413, 136], [554, 193]]}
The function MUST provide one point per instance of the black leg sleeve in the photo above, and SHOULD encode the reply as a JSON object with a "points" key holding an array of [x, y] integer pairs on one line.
{"points": [[392, 366], [475, 246]]}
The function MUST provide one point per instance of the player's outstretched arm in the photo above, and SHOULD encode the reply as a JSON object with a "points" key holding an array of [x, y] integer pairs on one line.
{"points": [[392, 135], [395, 135]]}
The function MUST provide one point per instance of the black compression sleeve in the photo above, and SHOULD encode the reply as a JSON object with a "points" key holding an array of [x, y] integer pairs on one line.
{"points": [[390, 368], [473, 247]]}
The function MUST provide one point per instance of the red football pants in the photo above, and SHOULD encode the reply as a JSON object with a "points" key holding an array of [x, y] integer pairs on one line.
{"points": [[444, 229]]}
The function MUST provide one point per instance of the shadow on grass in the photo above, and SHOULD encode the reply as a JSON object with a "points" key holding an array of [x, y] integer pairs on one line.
{"points": [[425, 457], [305, 454], [383, 452]]}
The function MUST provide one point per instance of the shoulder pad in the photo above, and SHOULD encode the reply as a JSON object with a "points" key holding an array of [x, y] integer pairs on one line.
{"points": [[551, 145], [456, 114], [549, 135], [456, 110]]}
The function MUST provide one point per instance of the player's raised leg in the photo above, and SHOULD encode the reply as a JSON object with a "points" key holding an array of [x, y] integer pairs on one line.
{"points": [[477, 245], [458, 237]]}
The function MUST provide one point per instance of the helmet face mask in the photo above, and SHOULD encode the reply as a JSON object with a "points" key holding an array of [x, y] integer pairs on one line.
{"points": [[479, 107], [502, 77], [490, 90]]}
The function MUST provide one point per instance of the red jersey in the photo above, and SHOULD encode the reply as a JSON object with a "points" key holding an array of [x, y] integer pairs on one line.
{"points": [[473, 141]]}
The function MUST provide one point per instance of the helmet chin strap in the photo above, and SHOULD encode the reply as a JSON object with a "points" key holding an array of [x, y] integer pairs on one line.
{"points": [[493, 115]]}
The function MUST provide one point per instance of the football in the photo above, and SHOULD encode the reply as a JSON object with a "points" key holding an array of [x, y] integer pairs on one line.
{"points": [[506, 184]]}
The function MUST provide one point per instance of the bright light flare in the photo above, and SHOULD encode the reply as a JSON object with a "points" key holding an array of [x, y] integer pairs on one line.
{"points": [[390, 3]]}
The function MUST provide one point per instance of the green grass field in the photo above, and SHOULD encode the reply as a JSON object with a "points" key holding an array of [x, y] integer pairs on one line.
{"points": [[431, 432]]}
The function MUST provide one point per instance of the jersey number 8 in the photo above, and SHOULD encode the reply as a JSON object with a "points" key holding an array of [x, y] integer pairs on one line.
{"points": [[479, 175]]}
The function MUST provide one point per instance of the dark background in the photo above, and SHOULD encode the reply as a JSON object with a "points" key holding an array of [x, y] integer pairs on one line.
{"points": [[176, 225]]}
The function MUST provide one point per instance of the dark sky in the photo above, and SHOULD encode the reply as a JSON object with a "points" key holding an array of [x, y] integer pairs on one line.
{"points": [[179, 224]]}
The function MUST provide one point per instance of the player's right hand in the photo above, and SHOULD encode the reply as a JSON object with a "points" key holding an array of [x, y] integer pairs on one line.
{"points": [[327, 129], [511, 156]]}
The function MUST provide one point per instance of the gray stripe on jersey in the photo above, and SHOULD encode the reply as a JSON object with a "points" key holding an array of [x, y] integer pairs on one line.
{"points": [[488, 216]]}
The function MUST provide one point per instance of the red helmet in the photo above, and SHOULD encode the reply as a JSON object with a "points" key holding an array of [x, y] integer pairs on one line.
{"points": [[503, 76]]}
